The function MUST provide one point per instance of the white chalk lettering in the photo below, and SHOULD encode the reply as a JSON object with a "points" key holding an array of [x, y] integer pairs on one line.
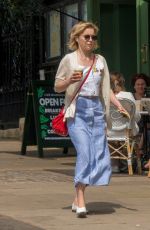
{"points": [[50, 131], [51, 101], [50, 110], [51, 117]]}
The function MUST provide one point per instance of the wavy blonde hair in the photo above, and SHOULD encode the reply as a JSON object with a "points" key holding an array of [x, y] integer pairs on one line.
{"points": [[78, 29]]}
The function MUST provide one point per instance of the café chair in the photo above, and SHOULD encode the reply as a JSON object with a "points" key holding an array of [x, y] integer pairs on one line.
{"points": [[120, 138]]}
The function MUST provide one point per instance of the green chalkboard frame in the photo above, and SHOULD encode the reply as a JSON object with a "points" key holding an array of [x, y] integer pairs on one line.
{"points": [[37, 128]]}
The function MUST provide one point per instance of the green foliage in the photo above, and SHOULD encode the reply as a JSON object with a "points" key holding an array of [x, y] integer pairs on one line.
{"points": [[41, 109], [22, 6], [44, 127], [43, 119], [43, 134], [14, 10], [40, 92]]}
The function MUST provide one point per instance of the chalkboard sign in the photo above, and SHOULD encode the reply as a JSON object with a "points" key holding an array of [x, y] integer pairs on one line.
{"points": [[43, 104]]}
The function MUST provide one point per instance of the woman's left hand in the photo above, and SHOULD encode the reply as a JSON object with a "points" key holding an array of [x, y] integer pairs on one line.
{"points": [[123, 111], [116, 102]]}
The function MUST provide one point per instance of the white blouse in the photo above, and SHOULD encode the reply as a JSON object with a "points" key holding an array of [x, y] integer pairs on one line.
{"points": [[92, 83]]}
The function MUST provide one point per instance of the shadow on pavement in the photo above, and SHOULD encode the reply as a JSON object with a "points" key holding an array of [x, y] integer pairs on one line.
{"points": [[68, 172], [96, 208], [47, 153], [8, 223]]}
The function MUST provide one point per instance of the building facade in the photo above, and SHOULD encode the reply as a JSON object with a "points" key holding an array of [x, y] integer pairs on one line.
{"points": [[124, 40], [124, 35]]}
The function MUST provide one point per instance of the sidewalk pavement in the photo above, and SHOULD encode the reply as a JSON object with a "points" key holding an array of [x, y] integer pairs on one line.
{"points": [[36, 194]]}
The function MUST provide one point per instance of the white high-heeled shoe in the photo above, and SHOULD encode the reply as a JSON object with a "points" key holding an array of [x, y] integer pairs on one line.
{"points": [[74, 207], [81, 212]]}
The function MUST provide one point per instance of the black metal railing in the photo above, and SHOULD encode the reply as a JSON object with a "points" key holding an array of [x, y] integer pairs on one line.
{"points": [[19, 65]]}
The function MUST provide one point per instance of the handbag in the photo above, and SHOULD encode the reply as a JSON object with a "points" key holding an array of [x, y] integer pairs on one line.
{"points": [[59, 124]]}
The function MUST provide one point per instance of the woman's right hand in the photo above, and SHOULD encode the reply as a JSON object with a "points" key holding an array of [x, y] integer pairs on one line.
{"points": [[75, 77], [61, 86]]}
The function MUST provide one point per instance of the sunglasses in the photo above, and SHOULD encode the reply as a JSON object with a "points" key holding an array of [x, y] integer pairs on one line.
{"points": [[87, 37]]}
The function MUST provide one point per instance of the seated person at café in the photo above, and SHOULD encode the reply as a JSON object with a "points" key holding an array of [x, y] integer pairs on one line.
{"points": [[140, 82], [118, 86]]}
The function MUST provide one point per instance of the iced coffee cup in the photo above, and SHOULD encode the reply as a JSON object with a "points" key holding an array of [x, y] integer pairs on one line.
{"points": [[79, 71]]}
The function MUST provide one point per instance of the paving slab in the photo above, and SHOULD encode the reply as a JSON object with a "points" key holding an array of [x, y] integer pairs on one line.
{"points": [[36, 194]]}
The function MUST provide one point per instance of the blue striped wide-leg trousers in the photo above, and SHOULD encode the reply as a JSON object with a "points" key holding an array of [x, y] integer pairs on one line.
{"points": [[87, 132]]}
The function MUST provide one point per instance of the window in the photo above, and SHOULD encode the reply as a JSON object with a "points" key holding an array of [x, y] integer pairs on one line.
{"points": [[58, 25], [71, 10], [53, 48], [84, 10]]}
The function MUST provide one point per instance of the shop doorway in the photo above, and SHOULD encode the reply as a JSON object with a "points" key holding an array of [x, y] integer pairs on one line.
{"points": [[143, 36], [118, 41]]}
